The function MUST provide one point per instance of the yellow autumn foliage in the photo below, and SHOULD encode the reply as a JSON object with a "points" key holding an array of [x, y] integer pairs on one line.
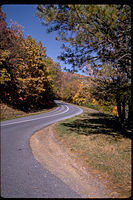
{"points": [[94, 101], [114, 111]]}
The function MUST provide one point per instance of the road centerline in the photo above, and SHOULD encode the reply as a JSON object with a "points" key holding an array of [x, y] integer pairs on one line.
{"points": [[36, 118]]}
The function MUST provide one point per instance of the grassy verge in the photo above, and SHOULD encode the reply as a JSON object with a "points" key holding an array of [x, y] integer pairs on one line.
{"points": [[98, 140], [7, 112]]}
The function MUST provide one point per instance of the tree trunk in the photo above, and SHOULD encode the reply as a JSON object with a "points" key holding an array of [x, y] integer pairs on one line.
{"points": [[131, 108], [130, 111], [123, 111], [119, 108]]}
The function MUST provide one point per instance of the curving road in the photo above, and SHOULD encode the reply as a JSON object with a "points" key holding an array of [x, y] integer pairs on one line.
{"points": [[21, 175]]}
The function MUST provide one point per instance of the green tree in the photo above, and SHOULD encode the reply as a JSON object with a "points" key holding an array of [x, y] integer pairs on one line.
{"points": [[93, 34], [112, 87], [104, 29]]}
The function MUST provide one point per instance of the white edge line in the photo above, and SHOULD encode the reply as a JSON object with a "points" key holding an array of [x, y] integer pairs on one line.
{"points": [[35, 118]]}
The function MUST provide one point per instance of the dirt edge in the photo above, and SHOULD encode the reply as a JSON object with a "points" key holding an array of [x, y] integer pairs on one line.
{"points": [[66, 165]]}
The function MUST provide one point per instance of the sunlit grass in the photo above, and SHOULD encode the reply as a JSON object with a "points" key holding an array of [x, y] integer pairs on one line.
{"points": [[98, 140]]}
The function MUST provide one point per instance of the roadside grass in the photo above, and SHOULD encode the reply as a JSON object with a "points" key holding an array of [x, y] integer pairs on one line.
{"points": [[7, 112], [99, 140]]}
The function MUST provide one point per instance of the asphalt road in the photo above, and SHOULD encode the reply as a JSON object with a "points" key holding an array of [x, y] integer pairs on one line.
{"points": [[21, 175]]}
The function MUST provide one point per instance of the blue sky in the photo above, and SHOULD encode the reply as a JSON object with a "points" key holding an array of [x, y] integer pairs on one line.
{"points": [[24, 15]]}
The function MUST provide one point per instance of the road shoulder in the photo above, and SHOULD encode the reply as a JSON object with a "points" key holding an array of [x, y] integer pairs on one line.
{"points": [[66, 165]]}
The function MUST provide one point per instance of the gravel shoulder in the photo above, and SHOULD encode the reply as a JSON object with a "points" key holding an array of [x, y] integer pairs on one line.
{"points": [[66, 165]]}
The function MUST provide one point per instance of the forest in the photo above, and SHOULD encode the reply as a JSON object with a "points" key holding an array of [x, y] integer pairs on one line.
{"points": [[30, 80]]}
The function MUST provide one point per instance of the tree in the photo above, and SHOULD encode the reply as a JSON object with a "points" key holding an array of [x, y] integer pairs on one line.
{"points": [[82, 95], [54, 75], [93, 34], [4, 75], [112, 87], [104, 29], [11, 44], [27, 74], [68, 87]]}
